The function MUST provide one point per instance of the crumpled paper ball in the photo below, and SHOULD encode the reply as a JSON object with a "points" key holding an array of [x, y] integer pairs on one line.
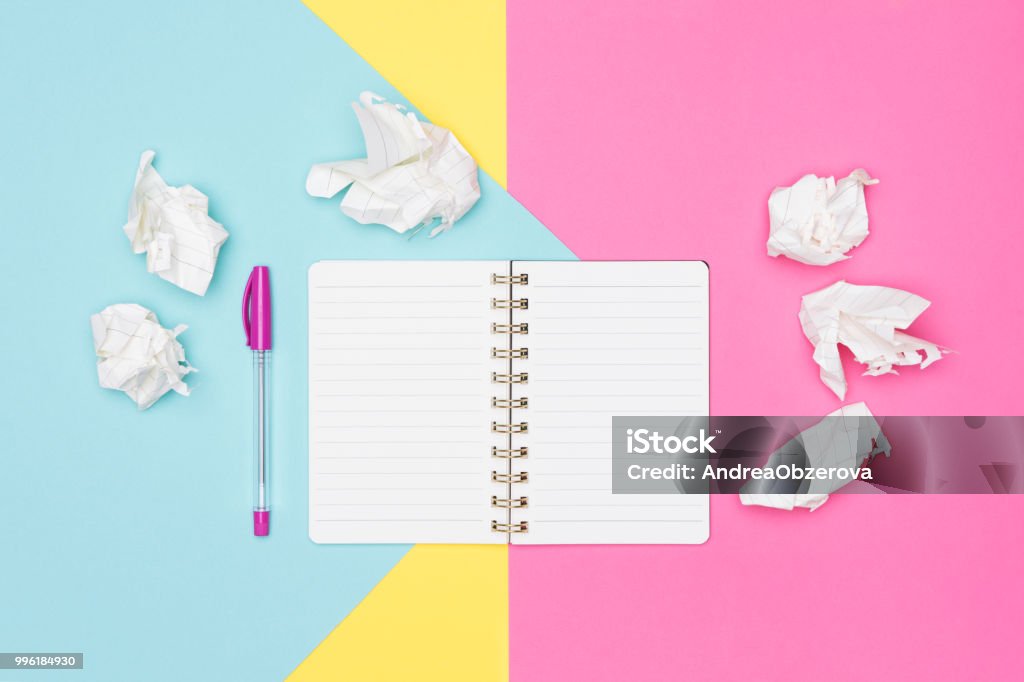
{"points": [[138, 356], [173, 227], [414, 173], [869, 321], [817, 220]]}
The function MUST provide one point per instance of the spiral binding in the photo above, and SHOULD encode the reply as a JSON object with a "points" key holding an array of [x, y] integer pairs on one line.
{"points": [[519, 527], [510, 353], [509, 453], [520, 378], [517, 477], [509, 402], [521, 427], [521, 280], [521, 328], [510, 503], [509, 303]]}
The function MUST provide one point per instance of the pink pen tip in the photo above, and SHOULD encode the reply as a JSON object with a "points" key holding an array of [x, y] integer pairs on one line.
{"points": [[261, 523]]}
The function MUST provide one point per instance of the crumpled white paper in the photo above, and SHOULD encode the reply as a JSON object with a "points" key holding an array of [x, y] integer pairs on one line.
{"points": [[817, 221], [174, 229], [867, 320], [844, 439], [414, 172], [138, 356]]}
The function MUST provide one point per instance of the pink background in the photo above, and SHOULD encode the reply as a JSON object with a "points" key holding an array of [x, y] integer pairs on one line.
{"points": [[658, 132]]}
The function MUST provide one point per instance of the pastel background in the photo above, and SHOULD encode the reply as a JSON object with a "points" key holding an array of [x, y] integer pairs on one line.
{"points": [[126, 535], [635, 130], [657, 129]]}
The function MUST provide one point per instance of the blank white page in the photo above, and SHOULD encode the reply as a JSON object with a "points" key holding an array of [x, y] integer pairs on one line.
{"points": [[605, 339], [399, 402]]}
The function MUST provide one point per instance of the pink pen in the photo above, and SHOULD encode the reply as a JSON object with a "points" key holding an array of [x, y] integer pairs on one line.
{"points": [[256, 320]]}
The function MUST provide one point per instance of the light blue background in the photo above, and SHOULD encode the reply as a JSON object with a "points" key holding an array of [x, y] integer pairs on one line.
{"points": [[127, 535]]}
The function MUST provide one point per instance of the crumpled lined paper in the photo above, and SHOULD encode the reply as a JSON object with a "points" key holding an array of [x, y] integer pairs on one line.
{"points": [[414, 173], [867, 320], [172, 226], [817, 221], [138, 356], [844, 439]]}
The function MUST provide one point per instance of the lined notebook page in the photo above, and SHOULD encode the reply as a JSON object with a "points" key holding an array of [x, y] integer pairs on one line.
{"points": [[399, 411], [605, 339]]}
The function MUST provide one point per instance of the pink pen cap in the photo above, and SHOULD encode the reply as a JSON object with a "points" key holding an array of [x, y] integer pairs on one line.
{"points": [[256, 309]]}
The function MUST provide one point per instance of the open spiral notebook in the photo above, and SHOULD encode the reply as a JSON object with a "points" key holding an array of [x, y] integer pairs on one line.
{"points": [[471, 401]]}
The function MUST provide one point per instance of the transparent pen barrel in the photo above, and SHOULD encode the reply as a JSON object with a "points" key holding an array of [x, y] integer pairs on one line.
{"points": [[261, 430]]}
